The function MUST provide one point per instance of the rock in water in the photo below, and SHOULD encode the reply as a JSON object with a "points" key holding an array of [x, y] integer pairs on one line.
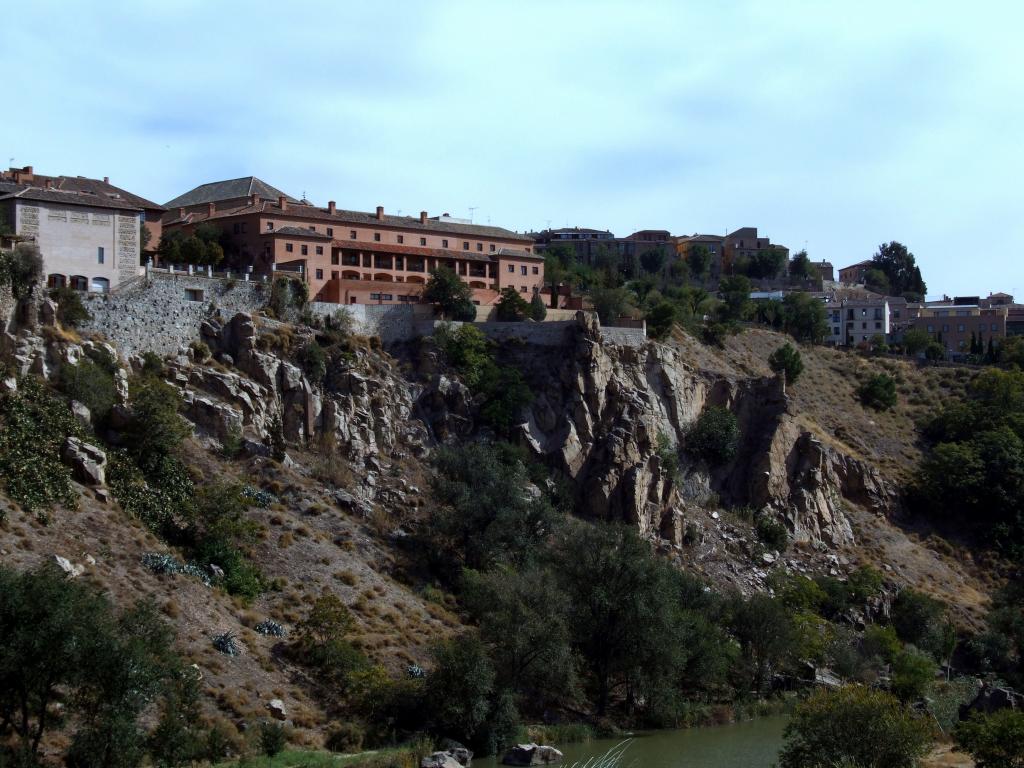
{"points": [[532, 754]]}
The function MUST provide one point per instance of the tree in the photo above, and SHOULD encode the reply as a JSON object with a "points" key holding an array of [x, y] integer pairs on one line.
{"points": [[60, 641], [995, 740], [915, 341], [876, 280], [448, 291], [913, 672], [764, 631], [854, 726], [522, 617], [511, 306], [734, 291], [21, 269], [537, 309], [878, 392], [934, 352], [71, 312], [661, 319], [322, 643], [714, 436], [609, 303], [623, 609], [786, 360], [653, 260], [804, 317], [900, 269], [699, 260], [800, 266]]}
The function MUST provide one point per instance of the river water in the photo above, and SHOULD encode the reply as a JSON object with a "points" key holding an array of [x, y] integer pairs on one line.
{"points": [[751, 744]]}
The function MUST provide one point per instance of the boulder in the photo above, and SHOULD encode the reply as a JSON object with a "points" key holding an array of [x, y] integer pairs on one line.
{"points": [[81, 412], [532, 754], [992, 698], [72, 570], [87, 462], [440, 760], [277, 709]]}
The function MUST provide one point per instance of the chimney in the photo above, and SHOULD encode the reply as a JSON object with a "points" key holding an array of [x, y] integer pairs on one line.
{"points": [[106, 179], [181, 213], [331, 206], [282, 203], [380, 213], [423, 217], [254, 199], [48, 183], [210, 209]]}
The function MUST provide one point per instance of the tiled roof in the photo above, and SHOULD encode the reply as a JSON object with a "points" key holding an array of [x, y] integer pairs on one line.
{"points": [[299, 232], [92, 187], [228, 190], [340, 216], [24, 192], [702, 238], [517, 254]]}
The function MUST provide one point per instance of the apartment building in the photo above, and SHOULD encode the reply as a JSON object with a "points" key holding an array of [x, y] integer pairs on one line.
{"points": [[954, 325], [88, 242], [352, 257], [857, 319], [854, 274]]}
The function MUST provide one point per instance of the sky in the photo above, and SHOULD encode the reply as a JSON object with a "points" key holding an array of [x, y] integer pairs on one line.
{"points": [[829, 126]]}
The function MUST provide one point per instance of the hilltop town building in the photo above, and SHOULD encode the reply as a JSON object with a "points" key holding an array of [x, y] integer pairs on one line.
{"points": [[714, 244], [89, 237], [351, 257], [744, 244], [856, 320], [954, 325], [854, 274]]}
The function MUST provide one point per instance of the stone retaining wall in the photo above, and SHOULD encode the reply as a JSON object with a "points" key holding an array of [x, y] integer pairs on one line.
{"points": [[163, 313]]}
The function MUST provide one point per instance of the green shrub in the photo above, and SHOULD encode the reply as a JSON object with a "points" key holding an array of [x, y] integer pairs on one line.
{"points": [[346, 737], [787, 361], [33, 426], [273, 738], [201, 351], [994, 741], [71, 312], [668, 456], [91, 385], [511, 306], [772, 533], [854, 726], [538, 310], [313, 361], [878, 392], [21, 269], [714, 437], [913, 672]]}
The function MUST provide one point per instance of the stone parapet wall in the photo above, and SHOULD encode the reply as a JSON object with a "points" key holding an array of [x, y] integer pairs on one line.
{"points": [[163, 312]]}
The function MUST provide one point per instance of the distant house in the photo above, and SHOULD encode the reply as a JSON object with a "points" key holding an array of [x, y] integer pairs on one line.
{"points": [[744, 243], [857, 319], [715, 245], [89, 237], [954, 325], [825, 270], [854, 274]]}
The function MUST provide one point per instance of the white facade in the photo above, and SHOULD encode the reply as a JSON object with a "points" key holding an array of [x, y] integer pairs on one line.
{"points": [[853, 321], [84, 247]]}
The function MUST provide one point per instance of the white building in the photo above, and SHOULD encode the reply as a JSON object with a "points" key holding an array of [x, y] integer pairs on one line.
{"points": [[87, 242], [853, 321]]}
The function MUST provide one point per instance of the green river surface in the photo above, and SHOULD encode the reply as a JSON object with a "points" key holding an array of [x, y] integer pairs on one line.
{"points": [[750, 744]]}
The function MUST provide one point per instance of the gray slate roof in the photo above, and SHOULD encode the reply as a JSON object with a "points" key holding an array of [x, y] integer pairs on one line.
{"points": [[227, 190], [299, 232], [9, 191]]}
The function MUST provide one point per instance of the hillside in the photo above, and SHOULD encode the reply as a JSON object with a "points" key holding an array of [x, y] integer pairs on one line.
{"points": [[340, 513]]}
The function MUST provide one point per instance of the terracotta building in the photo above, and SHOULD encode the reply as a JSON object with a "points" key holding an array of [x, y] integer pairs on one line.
{"points": [[745, 243], [714, 244], [351, 257], [96, 189], [954, 325]]}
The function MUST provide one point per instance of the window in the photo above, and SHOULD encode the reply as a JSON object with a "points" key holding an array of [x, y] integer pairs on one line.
{"points": [[193, 294], [330, 231], [522, 270], [374, 297], [289, 247], [319, 274], [270, 226], [945, 328], [931, 329], [423, 241], [864, 326], [465, 245], [960, 328], [536, 270], [401, 239], [243, 227], [444, 243], [493, 247], [386, 297], [236, 228], [376, 237], [312, 227], [995, 326], [319, 250], [351, 234], [305, 250], [512, 268], [835, 331], [334, 274], [335, 259], [878, 326], [99, 255], [479, 246], [522, 289]]}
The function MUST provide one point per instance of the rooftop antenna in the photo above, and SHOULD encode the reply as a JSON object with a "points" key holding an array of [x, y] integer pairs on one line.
{"points": [[471, 209], [547, 220]]}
